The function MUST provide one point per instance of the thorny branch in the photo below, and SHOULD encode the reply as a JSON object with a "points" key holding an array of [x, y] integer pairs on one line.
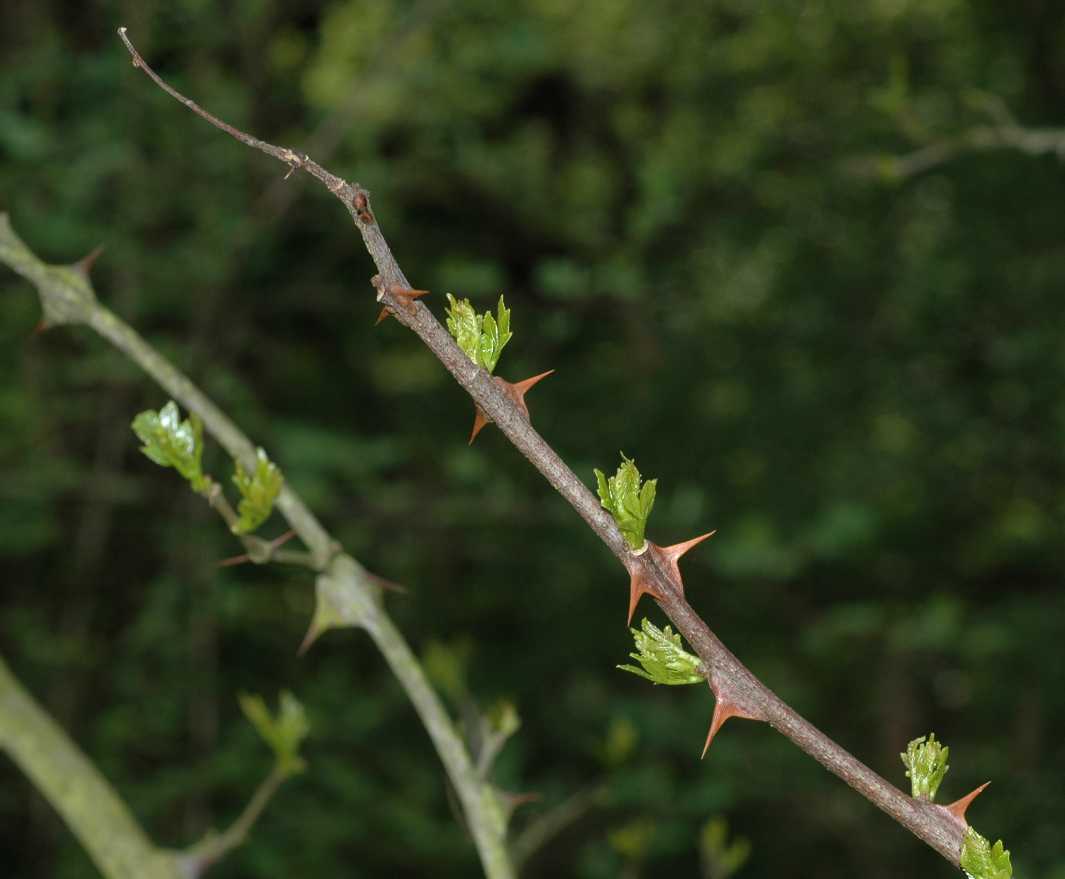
{"points": [[734, 685]]}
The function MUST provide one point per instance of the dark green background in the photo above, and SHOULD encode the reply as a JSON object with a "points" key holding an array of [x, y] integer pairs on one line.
{"points": [[858, 381]]}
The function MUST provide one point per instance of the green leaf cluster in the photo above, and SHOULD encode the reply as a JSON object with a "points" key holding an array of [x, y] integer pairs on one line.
{"points": [[258, 491], [283, 732], [981, 860], [664, 659], [171, 442], [481, 336], [926, 765], [627, 501]]}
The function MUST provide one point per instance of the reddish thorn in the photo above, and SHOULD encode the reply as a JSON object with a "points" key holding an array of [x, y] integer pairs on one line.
{"points": [[480, 422], [234, 560], [523, 387], [638, 587], [283, 539], [42, 326], [515, 392], [85, 264], [405, 295], [312, 635], [518, 390], [388, 585], [515, 800], [672, 554], [723, 710], [958, 807]]}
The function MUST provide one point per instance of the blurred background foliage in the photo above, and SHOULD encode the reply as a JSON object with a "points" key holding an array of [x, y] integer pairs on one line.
{"points": [[855, 375]]}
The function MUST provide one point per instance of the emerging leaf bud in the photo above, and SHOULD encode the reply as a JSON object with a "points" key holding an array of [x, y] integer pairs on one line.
{"points": [[258, 491], [629, 502], [926, 764], [481, 336], [171, 442], [981, 860], [663, 658]]}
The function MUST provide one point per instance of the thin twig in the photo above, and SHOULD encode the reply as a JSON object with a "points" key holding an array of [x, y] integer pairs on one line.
{"points": [[981, 138], [198, 859], [545, 827], [929, 823]]}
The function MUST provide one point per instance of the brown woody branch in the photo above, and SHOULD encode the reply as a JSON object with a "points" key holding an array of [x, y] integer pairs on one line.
{"points": [[736, 688]]}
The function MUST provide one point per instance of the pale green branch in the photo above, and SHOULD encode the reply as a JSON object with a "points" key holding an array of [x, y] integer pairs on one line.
{"points": [[354, 590], [89, 805]]}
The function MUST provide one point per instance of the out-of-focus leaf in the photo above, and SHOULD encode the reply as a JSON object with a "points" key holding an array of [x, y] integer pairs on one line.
{"points": [[283, 732], [258, 491], [171, 442]]}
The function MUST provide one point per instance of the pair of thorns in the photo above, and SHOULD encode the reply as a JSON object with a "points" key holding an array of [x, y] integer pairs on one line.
{"points": [[516, 391]]}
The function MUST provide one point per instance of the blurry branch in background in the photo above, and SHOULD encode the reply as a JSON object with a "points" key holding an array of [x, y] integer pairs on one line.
{"points": [[346, 594], [64, 776], [539, 832], [95, 813], [653, 570], [284, 733], [999, 131], [329, 134]]}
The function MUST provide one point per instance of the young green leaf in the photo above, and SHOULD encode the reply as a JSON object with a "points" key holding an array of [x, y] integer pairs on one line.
{"points": [[258, 491], [926, 764], [629, 503], [171, 442], [481, 337], [663, 658], [981, 860], [284, 733], [465, 326]]}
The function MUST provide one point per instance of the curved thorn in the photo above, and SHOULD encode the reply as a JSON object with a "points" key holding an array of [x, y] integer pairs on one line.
{"points": [[638, 587], [388, 585], [723, 710], [958, 807], [480, 422], [672, 554], [312, 635], [523, 387], [84, 265]]}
